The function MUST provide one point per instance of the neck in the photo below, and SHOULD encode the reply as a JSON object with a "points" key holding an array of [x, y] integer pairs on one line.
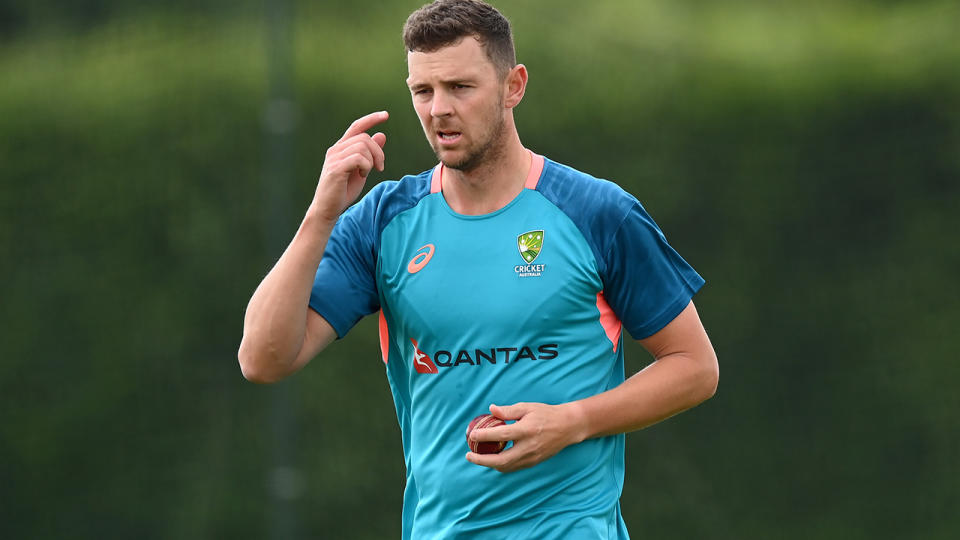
{"points": [[492, 184]]}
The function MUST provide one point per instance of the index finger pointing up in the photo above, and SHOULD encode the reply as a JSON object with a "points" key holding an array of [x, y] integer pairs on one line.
{"points": [[364, 123]]}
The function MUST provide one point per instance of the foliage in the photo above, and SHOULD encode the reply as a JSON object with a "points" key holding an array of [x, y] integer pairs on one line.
{"points": [[802, 156]]}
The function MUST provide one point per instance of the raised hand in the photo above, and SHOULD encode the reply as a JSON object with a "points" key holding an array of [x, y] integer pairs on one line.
{"points": [[347, 164]]}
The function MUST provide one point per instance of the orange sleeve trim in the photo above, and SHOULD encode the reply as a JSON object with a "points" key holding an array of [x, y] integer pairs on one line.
{"points": [[609, 321], [384, 338]]}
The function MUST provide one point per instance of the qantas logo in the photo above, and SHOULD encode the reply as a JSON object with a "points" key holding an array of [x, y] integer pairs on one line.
{"points": [[422, 363], [421, 259]]}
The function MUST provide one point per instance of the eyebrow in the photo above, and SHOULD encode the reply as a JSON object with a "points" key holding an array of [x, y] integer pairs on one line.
{"points": [[414, 85]]}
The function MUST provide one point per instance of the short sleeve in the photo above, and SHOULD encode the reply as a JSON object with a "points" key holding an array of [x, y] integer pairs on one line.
{"points": [[646, 282], [344, 288]]}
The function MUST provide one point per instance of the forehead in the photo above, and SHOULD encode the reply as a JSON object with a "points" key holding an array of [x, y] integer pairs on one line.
{"points": [[465, 58]]}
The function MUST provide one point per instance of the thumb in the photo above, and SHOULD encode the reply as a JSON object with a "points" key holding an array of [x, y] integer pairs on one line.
{"points": [[379, 138], [510, 412]]}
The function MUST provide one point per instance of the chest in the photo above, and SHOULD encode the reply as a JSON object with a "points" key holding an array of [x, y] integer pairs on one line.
{"points": [[499, 277]]}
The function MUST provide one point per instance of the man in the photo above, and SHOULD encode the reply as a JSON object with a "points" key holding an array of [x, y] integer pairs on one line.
{"points": [[501, 279]]}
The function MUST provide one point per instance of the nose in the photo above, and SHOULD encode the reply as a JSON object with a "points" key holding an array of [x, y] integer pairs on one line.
{"points": [[441, 105]]}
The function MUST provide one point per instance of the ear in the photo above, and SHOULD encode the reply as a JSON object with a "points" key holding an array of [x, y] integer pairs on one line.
{"points": [[515, 84]]}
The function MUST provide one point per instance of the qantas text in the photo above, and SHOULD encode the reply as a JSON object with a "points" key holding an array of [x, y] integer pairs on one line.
{"points": [[495, 355]]}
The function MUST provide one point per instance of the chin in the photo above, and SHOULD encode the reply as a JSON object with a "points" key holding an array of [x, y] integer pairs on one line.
{"points": [[468, 159], [452, 159], [467, 163]]}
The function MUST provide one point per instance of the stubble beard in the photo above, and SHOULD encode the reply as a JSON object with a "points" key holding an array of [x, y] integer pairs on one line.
{"points": [[489, 149]]}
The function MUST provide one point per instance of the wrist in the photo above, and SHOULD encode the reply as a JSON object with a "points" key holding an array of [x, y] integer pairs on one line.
{"points": [[579, 421], [310, 240], [318, 220]]}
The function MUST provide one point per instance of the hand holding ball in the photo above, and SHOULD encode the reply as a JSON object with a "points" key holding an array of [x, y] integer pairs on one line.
{"points": [[485, 447]]}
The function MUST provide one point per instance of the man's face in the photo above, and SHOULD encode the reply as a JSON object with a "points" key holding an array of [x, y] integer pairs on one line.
{"points": [[459, 99]]}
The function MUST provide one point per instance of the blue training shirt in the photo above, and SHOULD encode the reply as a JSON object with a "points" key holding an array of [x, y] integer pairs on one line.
{"points": [[522, 304]]}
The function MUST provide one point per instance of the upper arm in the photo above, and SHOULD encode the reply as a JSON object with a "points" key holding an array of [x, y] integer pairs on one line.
{"points": [[683, 335], [646, 282], [318, 333]]}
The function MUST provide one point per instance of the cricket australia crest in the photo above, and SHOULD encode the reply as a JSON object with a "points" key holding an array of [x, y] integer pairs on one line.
{"points": [[529, 244]]}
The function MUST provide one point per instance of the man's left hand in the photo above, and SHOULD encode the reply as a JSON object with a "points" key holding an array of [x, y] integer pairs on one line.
{"points": [[539, 432]]}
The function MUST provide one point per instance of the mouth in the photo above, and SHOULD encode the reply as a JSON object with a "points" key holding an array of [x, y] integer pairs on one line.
{"points": [[448, 137]]}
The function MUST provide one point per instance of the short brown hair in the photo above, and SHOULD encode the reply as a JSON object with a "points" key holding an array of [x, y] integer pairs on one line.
{"points": [[445, 22]]}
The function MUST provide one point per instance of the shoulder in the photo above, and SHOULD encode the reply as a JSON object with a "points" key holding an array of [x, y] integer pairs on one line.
{"points": [[397, 194], [579, 194], [364, 222], [388, 199], [596, 206]]}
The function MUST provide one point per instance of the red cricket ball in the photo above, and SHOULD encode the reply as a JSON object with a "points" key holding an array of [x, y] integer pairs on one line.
{"points": [[485, 447]]}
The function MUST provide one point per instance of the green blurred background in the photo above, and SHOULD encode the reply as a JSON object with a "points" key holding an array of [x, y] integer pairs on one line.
{"points": [[156, 157]]}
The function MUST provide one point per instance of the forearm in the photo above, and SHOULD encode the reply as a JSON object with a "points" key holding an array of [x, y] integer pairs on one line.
{"points": [[671, 384], [684, 374], [274, 325], [279, 333]]}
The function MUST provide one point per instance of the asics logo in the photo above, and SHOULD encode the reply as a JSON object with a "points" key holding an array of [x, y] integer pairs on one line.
{"points": [[421, 259]]}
